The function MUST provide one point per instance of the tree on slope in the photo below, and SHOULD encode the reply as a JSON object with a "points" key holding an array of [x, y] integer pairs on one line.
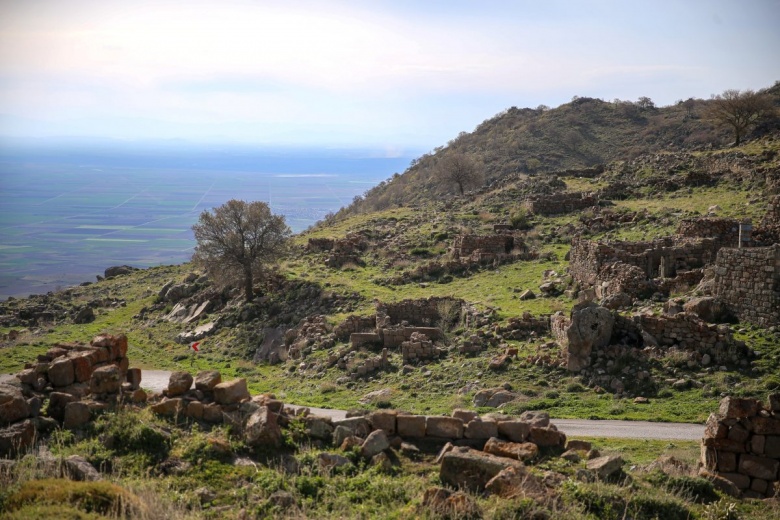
{"points": [[460, 169], [238, 240], [740, 110]]}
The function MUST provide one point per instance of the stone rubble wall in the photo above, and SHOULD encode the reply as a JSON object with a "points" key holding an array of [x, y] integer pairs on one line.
{"points": [[741, 444], [479, 247], [525, 326], [748, 280], [419, 348], [560, 203], [768, 231], [370, 365], [423, 312], [725, 231], [354, 324]]}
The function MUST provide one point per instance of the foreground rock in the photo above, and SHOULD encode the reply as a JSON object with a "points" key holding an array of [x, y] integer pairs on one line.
{"points": [[471, 469]]}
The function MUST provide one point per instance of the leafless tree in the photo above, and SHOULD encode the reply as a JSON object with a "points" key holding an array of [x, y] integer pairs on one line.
{"points": [[740, 110], [238, 240], [460, 169]]}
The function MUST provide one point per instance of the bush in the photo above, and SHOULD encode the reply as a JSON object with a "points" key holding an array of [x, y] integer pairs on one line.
{"points": [[697, 489], [519, 219], [93, 497], [575, 388]]}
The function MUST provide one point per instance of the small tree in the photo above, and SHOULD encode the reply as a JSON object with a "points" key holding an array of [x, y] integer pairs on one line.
{"points": [[460, 169], [739, 109], [237, 240]]}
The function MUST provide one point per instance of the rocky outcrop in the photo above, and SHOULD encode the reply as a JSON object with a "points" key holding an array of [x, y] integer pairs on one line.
{"points": [[589, 327]]}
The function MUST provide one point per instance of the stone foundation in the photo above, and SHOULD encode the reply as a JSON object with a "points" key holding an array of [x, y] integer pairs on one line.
{"points": [[560, 203]]}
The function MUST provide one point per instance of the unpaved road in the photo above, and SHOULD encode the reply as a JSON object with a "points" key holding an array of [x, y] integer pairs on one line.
{"points": [[157, 380]]}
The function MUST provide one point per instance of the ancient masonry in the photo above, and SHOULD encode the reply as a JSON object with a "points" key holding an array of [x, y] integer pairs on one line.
{"points": [[748, 280], [617, 266], [741, 446], [768, 231], [479, 248], [560, 203], [342, 251]]}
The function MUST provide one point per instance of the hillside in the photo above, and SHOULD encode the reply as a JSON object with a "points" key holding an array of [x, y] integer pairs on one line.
{"points": [[610, 292], [585, 132]]}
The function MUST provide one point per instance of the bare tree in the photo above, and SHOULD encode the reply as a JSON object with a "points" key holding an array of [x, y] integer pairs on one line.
{"points": [[740, 110], [238, 240], [460, 169]]}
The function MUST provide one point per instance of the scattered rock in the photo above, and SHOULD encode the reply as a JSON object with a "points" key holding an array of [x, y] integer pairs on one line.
{"points": [[606, 466], [78, 468], [375, 443], [231, 392], [179, 383], [262, 429], [472, 469]]}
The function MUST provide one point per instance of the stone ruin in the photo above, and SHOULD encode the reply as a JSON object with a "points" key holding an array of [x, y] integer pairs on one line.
{"points": [[77, 380], [740, 451], [479, 248], [633, 267], [560, 203], [748, 281], [768, 231], [341, 251]]}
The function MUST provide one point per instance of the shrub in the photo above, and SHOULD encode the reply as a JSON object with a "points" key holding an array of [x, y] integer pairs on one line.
{"points": [[574, 388], [93, 497], [519, 218]]}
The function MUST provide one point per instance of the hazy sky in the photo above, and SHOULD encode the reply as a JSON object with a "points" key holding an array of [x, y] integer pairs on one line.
{"points": [[391, 74]]}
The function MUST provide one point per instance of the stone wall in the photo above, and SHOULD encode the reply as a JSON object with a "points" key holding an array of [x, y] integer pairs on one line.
{"points": [[741, 447], [525, 326], [424, 312], [768, 231], [560, 203], [725, 231], [481, 247], [748, 280], [419, 348]]}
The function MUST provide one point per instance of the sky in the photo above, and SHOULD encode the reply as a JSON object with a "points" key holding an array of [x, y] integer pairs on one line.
{"points": [[392, 75]]}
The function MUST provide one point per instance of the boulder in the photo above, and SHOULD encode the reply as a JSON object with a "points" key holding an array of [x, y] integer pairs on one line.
{"points": [[169, 407], [493, 397], [536, 419], [383, 420], [105, 380], [82, 367], [606, 466], [512, 450], [179, 383], [318, 427], [231, 392], [84, 315], [328, 461], [15, 439], [77, 414], [515, 482], [411, 426], [528, 294], [472, 469], [711, 310], [262, 429], [737, 408], [547, 437], [13, 405], [589, 327], [514, 430], [206, 380], [375, 443], [479, 429], [57, 403], [78, 468], [61, 372]]}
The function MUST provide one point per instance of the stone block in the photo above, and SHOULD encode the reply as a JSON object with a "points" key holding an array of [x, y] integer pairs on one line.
{"points": [[231, 392], [60, 372], [212, 413], [738, 479], [774, 402], [479, 429], [179, 383], [771, 446], [464, 415], [725, 445], [134, 378], [766, 425], [757, 443], [57, 403], [384, 420], [727, 462], [737, 408], [605, 467], [195, 410], [105, 380], [443, 427], [206, 380], [513, 450], [515, 431], [82, 367], [738, 433], [714, 428], [375, 443], [759, 485], [358, 426], [758, 467], [16, 438], [579, 445], [547, 437], [76, 415], [410, 426], [472, 469], [169, 407]]}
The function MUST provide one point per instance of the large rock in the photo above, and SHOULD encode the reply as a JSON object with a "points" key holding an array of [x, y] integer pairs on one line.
{"points": [[105, 380], [169, 407], [738, 408], [206, 380], [711, 310], [515, 431], [374, 444], [118, 270], [16, 438], [61, 372], [589, 327], [79, 468], [262, 429], [479, 429], [512, 450], [412, 426], [515, 482], [472, 469], [606, 466], [493, 397], [57, 403], [77, 414], [231, 392], [179, 383], [13, 405], [445, 427]]}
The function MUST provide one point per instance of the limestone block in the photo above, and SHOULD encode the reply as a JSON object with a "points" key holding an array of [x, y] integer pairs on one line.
{"points": [[206, 380], [515, 430], [231, 392], [479, 429], [410, 426], [758, 467], [61, 372], [445, 427]]}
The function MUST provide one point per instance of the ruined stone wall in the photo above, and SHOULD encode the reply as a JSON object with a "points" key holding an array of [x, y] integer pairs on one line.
{"points": [[418, 348], [725, 231], [748, 280], [741, 444], [352, 324], [768, 231], [522, 327], [319, 244], [465, 246], [619, 277], [424, 313], [560, 203], [686, 330]]}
